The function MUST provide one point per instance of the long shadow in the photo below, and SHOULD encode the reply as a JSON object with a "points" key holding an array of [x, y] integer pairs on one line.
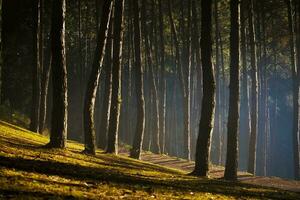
{"points": [[129, 164], [17, 144], [112, 162], [20, 194], [83, 173]]}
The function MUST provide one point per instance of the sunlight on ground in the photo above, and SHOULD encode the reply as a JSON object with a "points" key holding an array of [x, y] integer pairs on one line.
{"points": [[29, 171]]}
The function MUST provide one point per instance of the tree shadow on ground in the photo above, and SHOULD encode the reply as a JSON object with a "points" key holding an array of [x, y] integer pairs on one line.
{"points": [[92, 174]]}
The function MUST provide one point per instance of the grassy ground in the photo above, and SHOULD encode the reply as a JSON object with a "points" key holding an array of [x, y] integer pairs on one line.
{"points": [[29, 171]]}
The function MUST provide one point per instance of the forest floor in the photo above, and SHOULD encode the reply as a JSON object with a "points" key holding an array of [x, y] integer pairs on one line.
{"points": [[30, 171], [217, 172]]}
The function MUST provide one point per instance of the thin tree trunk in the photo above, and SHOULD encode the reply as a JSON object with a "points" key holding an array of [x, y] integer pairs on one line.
{"points": [[92, 87], [233, 115], [208, 101], [112, 145], [254, 95], [155, 133], [163, 82], [59, 119], [36, 85], [139, 83], [104, 123], [218, 121], [244, 112], [45, 87]]}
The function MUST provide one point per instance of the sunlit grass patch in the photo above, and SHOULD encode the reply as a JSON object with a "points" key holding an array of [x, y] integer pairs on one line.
{"points": [[30, 171]]}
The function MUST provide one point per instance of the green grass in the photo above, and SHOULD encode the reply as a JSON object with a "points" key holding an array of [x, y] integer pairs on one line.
{"points": [[30, 171]]}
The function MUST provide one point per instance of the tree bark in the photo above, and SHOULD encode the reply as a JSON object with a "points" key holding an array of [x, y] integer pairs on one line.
{"points": [[139, 83], [163, 82], [93, 82], [254, 95], [59, 119], [218, 121], [208, 101], [36, 70], [112, 145], [104, 123], [233, 114], [244, 112]]}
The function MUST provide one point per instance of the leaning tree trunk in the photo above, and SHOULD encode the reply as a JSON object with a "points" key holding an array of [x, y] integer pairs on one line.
{"points": [[233, 114], [90, 97], [254, 95], [112, 144], [36, 85], [208, 101], [139, 83], [59, 75]]}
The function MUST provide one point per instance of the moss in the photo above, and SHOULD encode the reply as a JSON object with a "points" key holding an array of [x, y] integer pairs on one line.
{"points": [[29, 171]]}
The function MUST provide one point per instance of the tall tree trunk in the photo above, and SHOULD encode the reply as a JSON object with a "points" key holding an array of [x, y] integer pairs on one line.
{"points": [[104, 123], [208, 101], [148, 53], [254, 95], [46, 69], [218, 120], [139, 83], [36, 85], [45, 86], [244, 112], [163, 82], [112, 145], [59, 120], [233, 115], [93, 82], [198, 70]]}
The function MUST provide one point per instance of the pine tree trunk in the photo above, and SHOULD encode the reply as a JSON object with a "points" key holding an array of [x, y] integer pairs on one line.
{"points": [[93, 82], [208, 101], [233, 115], [217, 120], [45, 61], [244, 112], [139, 84], [45, 87], [153, 86], [104, 123], [254, 95], [112, 145], [59, 119], [36, 85], [163, 82]]}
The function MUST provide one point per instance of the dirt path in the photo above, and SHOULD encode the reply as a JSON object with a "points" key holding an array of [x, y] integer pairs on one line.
{"points": [[217, 172]]}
